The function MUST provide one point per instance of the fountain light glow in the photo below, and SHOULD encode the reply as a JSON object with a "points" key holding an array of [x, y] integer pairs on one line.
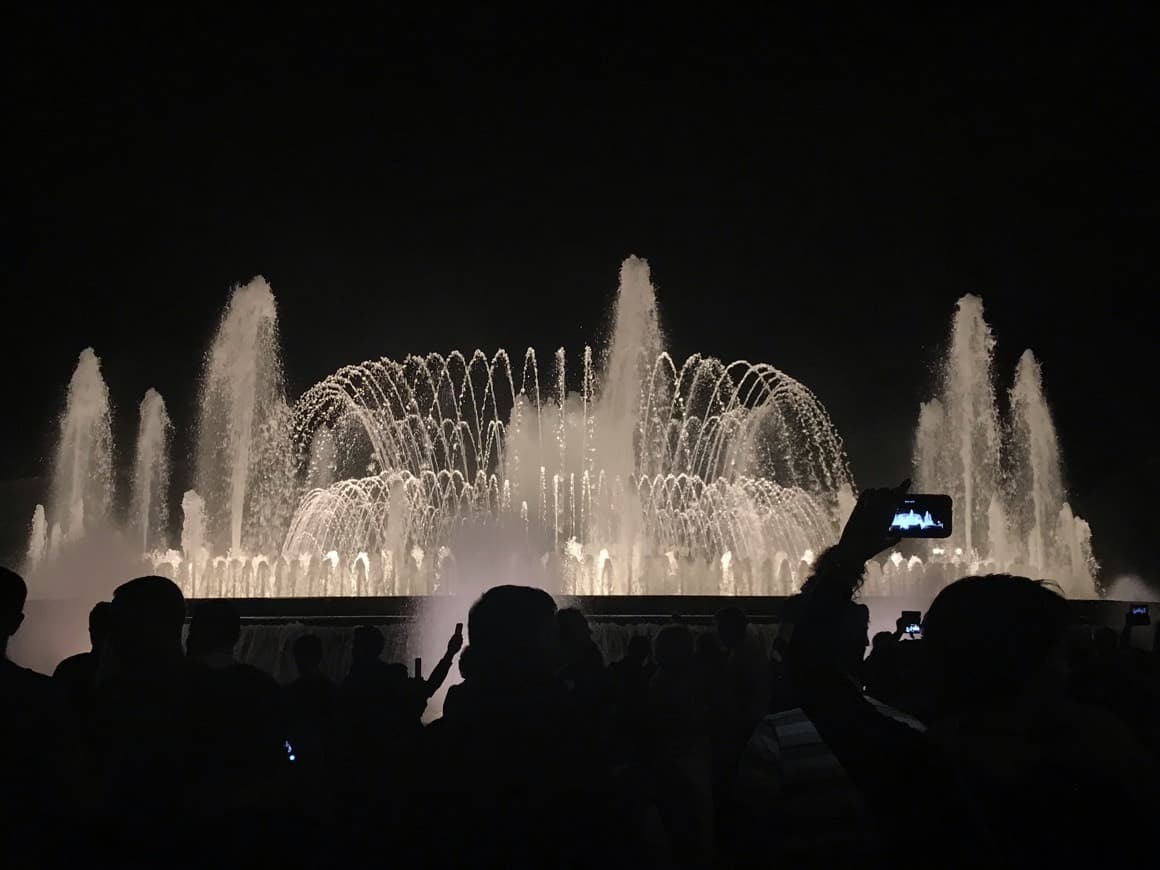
{"points": [[618, 472]]}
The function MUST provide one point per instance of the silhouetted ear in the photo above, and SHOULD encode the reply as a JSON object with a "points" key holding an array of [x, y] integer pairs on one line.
{"points": [[16, 623]]}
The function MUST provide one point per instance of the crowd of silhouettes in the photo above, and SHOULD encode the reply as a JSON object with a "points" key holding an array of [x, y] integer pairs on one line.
{"points": [[1005, 735]]}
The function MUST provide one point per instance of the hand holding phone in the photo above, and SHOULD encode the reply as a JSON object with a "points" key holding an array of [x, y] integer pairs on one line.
{"points": [[867, 531], [922, 516], [455, 644], [1137, 615], [910, 622]]}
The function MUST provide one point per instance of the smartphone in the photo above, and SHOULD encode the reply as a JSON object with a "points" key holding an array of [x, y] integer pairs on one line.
{"points": [[911, 621], [1138, 614], [922, 516], [418, 669]]}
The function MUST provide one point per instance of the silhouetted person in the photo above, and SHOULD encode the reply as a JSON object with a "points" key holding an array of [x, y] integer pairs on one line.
{"points": [[879, 670], [245, 769], [310, 697], [77, 675], [148, 748], [507, 754], [910, 793], [1043, 770], [239, 704], [746, 671], [797, 806], [368, 672], [739, 703], [372, 701], [632, 673], [582, 670], [630, 679], [309, 708], [679, 719], [39, 764]]}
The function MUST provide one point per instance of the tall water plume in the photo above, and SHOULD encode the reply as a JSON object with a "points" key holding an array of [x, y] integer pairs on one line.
{"points": [[82, 471], [1051, 539], [1011, 509], [149, 501], [241, 439], [37, 540], [957, 450]]}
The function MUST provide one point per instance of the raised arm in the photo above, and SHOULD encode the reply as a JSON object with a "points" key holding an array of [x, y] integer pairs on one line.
{"points": [[443, 668]]}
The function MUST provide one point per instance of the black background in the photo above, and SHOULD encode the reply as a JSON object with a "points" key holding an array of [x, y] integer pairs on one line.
{"points": [[812, 189]]}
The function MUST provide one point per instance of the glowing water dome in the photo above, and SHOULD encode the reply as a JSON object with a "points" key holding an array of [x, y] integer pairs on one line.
{"points": [[649, 476]]}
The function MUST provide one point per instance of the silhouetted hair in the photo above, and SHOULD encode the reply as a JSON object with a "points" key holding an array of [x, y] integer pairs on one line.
{"points": [[510, 630], [148, 614], [307, 651], [215, 626], [573, 624], [13, 593], [988, 638], [367, 644], [101, 619], [154, 598]]}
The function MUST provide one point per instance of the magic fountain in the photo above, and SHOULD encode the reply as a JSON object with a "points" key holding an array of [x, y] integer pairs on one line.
{"points": [[623, 472]]}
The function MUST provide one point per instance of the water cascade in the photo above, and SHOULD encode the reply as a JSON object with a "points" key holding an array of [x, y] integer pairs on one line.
{"points": [[622, 471], [82, 472], [241, 447], [1006, 478], [149, 505]]}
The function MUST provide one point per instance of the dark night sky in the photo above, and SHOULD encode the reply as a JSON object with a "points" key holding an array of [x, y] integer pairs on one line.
{"points": [[811, 190]]}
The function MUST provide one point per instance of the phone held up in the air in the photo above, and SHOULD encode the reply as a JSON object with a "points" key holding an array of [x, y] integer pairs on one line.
{"points": [[922, 516]]}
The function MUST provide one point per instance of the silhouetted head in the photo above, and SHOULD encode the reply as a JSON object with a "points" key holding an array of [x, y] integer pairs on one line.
{"points": [[100, 624], [147, 615], [993, 639], [639, 649], [307, 651], [573, 630], [731, 623], [883, 640], [573, 624], [674, 647], [512, 632], [1105, 640], [841, 637], [366, 645], [214, 628], [13, 593]]}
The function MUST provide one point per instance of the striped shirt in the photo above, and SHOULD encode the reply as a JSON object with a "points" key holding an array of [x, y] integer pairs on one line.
{"points": [[797, 802]]}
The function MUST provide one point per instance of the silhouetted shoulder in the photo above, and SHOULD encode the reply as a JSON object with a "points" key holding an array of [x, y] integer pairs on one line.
{"points": [[20, 684]]}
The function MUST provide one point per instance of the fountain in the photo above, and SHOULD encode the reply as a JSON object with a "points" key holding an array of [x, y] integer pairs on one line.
{"points": [[620, 472], [81, 491], [242, 454], [648, 461], [1005, 476], [149, 505]]}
